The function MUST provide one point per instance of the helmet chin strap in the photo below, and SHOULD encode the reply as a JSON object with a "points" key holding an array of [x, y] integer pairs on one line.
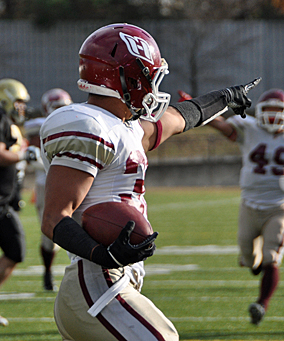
{"points": [[127, 97]]}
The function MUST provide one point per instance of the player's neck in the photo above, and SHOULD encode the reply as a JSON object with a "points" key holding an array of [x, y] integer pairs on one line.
{"points": [[111, 104]]}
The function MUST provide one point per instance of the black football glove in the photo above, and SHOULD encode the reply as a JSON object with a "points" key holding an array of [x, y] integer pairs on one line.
{"points": [[237, 99], [124, 253], [70, 236]]}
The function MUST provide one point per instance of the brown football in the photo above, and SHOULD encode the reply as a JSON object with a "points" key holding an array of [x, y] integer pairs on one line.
{"points": [[104, 221]]}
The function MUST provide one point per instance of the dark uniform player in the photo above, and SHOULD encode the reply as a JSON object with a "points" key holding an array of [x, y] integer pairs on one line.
{"points": [[13, 96]]}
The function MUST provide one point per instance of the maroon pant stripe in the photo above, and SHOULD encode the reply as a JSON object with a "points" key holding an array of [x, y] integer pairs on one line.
{"points": [[90, 302], [133, 312], [110, 328], [83, 284]]}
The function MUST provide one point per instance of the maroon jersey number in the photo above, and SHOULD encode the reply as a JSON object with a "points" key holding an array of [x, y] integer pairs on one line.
{"points": [[258, 156]]}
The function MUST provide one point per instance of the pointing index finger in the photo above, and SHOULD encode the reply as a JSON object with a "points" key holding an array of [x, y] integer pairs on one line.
{"points": [[252, 84]]}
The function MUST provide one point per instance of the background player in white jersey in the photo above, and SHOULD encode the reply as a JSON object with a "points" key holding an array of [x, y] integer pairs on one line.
{"points": [[261, 215], [95, 152], [51, 100]]}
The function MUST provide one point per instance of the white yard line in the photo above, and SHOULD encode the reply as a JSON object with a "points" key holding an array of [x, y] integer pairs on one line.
{"points": [[224, 318], [58, 270], [203, 283], [31, 319], [31, 296], [16, 296], [198, 250], [151, 269], [37, 270], [218, 299], [173, 319]]}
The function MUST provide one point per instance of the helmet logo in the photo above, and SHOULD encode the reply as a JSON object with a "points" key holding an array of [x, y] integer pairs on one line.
{"points": [[138, 47]]}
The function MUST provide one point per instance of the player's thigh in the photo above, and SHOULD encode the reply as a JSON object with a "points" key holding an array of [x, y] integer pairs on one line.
{"points": [[129, 316], [12, 237], [70, 312], [135, 317], [273, 237], [249, 228]]}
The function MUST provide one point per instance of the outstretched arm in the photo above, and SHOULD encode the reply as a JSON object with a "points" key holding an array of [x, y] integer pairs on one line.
{"points": [[182, 116], [224, 127], [171, 123], [7, 157]]}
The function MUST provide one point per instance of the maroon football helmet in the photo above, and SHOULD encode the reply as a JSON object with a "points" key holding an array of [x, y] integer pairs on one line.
{"points": [[54, 99], [271, 120], [124, 61]]}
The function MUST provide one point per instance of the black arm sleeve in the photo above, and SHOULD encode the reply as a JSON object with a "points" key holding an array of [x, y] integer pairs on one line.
{"points": [[190, 112], [201, 110], [72, 237]]}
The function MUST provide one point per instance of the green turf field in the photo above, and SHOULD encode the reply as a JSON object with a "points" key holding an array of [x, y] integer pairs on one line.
{"points": [[193, 278]]}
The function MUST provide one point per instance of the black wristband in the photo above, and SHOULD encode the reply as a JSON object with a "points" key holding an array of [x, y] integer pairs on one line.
{"points": [[190, 112], [202, 109], [72, 237]]}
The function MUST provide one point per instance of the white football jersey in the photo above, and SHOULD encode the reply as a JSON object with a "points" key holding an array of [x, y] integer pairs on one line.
{"points": [[262, 163], [93, 140]]}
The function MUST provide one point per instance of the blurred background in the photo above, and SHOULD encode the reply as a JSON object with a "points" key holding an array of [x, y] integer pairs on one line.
{"points": [[208, 44]]}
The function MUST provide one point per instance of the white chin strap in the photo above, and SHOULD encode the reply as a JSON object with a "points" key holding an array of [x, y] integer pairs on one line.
{"points": [[103, 91], [96, 89]]}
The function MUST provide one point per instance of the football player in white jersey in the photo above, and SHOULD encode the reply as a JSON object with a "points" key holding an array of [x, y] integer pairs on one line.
{"points": [[95, 152], [261, 215], [51, 100]]}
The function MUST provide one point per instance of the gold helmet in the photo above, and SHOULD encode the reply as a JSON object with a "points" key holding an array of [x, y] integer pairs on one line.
{"points": [[13, 98]]}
